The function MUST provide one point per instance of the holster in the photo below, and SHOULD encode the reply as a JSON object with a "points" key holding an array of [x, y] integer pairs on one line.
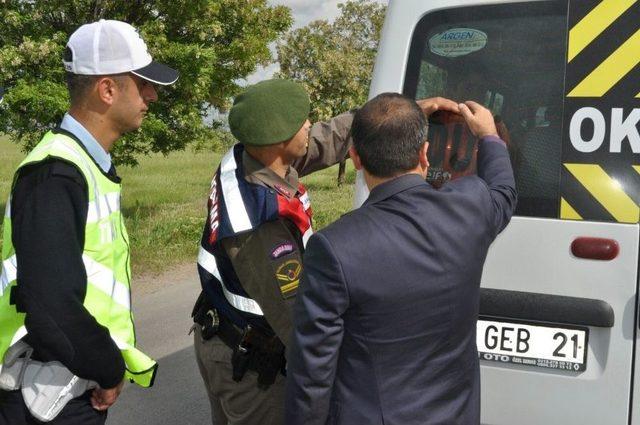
{"points": [[260, 353], [252, 349], [269, 363], [240, 360]]}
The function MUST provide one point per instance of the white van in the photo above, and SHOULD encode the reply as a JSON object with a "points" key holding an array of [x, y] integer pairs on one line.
{"points": [[558, 331]]}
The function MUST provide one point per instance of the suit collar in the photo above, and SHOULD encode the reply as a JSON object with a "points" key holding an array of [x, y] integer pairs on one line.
{"points": [[394, 186]]}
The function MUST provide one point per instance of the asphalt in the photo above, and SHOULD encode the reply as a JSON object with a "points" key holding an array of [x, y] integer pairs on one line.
{"points": [[162, 323]]}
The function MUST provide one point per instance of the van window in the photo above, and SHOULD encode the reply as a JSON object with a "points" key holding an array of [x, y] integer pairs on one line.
{"points": [[510, 58]]}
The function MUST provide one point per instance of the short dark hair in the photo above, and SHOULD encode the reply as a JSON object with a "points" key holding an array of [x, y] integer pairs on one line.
{"points": [[78, 85], [388, 133]]}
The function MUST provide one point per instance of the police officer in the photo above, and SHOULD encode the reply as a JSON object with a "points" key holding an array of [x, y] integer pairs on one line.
{"points": [[250, 258], [65, 283]]}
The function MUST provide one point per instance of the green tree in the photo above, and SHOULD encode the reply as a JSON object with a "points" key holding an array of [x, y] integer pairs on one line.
{"points": [[335, 60], [213, 43]]}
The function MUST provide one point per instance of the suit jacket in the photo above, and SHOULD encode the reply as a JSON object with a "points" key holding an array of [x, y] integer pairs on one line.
{"points": [[385, 319]]}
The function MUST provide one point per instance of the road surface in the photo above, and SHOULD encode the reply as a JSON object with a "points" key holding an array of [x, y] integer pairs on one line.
{"points": [[162, 322]]}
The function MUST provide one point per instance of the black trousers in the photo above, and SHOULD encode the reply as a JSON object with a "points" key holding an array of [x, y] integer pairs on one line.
{"points": [[77, 412]]}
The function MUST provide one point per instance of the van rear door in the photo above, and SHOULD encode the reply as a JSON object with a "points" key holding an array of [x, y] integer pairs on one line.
{"points": [[558, 324]]}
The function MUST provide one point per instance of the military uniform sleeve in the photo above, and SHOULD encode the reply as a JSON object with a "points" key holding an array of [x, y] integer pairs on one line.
{"points": [[268, 262], [48, 212], [329, 144]]}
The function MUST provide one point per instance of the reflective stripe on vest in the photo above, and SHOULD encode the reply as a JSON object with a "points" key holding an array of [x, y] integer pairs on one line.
{"points": [[9, 272], [105, 257], [236, 211]]}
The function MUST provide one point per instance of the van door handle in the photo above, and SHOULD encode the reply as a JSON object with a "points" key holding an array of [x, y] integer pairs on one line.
{"points": [[530, 306]]}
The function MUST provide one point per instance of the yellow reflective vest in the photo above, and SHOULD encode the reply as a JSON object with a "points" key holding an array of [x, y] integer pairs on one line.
{"points": [[105, 257]]}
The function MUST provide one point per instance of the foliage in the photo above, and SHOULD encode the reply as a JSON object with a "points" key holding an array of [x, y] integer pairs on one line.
{"points": [[222, 142], [335, 60], [213, 43], [433, 81]]}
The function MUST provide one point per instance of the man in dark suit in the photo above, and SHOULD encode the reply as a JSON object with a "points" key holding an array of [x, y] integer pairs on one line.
{"points": [[385, 320]]}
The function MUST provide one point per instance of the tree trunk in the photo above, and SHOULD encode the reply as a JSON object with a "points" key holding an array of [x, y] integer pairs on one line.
{"points": [[341, 171]]}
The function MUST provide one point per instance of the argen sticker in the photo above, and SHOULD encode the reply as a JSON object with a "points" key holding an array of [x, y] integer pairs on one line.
{"points": [[457, 42]]}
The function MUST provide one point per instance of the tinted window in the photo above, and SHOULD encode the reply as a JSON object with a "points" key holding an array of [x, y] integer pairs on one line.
{"points": [[510, 58]]}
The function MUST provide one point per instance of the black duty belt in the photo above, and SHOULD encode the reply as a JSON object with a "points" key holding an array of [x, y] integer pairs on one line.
{"points": [[229, 333], [252, 349]]}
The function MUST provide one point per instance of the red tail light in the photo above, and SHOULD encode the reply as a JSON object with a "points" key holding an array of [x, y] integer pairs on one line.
{"points": [[595, 248]]}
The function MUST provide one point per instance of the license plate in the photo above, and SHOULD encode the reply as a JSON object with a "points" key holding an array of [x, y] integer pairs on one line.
{"points": [[547, 346]]}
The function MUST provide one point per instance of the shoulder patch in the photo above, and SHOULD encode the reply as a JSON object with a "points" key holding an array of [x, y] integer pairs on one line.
{"points": [[282, 250], [288, 275]]}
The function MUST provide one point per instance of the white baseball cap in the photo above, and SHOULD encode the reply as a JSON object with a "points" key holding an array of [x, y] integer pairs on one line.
{"points": [[111, 47]]}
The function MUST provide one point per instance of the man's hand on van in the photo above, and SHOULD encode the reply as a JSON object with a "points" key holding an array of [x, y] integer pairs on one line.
{"points": [[432, 104], [479, 119]]}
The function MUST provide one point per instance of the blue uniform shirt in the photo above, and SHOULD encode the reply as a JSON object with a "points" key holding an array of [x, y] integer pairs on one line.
{"points": [[97, 152]]}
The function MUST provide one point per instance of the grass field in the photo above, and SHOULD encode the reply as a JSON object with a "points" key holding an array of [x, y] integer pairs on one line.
{"points": [[164, 202]]}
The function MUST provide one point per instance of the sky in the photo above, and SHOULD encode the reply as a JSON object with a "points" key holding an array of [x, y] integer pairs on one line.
{"points": [[304, 11]]}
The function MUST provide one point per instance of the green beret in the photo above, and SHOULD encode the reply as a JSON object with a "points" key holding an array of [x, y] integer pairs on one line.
{"points": [[269, 112]]}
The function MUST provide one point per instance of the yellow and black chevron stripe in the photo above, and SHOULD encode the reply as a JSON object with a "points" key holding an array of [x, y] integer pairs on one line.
{"points": [[592, 192], [604, 48], [603, 71]]}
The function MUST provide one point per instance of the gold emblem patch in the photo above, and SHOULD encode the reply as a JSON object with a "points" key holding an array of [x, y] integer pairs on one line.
{"points": [[288, 275]]}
